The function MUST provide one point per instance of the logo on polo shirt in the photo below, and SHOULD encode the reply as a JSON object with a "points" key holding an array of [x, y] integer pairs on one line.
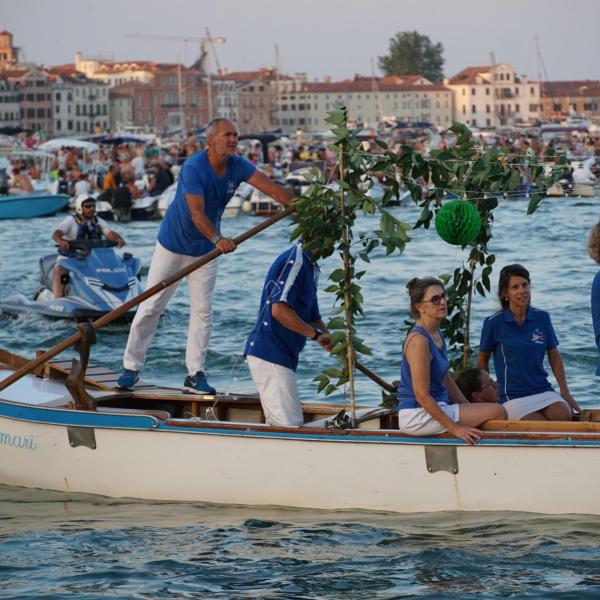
{"points": [[537, 337], [230, 187]]}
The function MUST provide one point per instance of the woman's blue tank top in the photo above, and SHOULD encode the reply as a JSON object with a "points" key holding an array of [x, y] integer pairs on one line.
{"points": [[437, 371]]}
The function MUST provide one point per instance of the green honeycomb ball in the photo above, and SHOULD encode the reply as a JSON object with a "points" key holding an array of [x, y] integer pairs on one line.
{"points": [[458, 222]]}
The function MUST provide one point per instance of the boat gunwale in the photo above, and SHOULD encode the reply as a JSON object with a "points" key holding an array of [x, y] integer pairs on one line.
{"points": [[147, 422]]}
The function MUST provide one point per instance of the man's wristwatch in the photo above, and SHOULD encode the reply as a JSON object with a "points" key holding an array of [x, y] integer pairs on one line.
{"points": [[317, 333], [216, 238]]}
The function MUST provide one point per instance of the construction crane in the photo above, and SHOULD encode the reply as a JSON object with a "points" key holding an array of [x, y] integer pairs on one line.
{"points": [[202, 62]]}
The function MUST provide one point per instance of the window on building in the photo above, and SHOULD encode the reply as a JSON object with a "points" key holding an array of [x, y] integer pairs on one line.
{"points": [[488, 108], [487, 91], [557, 107], [517, 108], [473, 90], [473, 108], [58, 98], [516, 91], [533, 107], [464, 110], [41, 113], [488, 122], [58, 125]]}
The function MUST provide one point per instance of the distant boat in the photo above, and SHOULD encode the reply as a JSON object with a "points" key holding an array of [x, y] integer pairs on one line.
{"points": [[27, 206]]}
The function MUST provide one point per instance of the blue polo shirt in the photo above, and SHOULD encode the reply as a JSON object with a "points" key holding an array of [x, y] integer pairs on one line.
{"points": [[177, 232], [596, 313], [293, 279], [519, 351]]}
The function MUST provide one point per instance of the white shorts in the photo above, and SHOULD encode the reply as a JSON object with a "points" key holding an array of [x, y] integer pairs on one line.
{"points": [[417, 421], [518, 408], [278, 392]]}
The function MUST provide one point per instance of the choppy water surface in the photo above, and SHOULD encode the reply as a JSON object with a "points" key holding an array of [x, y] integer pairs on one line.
{"points": [[56, 546]]}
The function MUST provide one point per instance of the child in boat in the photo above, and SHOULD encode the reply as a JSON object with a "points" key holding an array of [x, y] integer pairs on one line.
{"points": [[519, 336], [476, 385]]}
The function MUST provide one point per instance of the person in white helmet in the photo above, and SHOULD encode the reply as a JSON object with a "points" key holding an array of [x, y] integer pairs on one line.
{"points": [[81, 225]]}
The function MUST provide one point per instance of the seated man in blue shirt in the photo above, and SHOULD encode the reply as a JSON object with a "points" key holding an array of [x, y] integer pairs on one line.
{"points": [[288, 315]]}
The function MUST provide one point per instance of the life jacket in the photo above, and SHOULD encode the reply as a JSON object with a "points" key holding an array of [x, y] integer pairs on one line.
{"points": [[63, 186], [87, 229]]}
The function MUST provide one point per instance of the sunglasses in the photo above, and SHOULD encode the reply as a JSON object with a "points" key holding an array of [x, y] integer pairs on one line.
{"points": [[435, 300]]}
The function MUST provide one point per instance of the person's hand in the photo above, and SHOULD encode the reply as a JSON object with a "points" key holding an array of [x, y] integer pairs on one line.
{"points": [[471, 435], [121, 242], [324, 340], [571, 402], [63, 244], [226, 245]]}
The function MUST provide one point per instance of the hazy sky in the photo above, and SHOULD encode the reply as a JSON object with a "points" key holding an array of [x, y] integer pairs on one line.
{"points": [[319, 37]]}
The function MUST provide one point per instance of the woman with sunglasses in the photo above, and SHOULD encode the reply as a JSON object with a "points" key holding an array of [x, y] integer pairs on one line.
{"points": [[429, 400], [519, 336]]}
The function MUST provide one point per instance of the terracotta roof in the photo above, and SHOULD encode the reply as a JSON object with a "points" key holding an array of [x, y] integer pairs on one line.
{"points": [[469, 75], [246, 76], [554, 89], [365, 84]]}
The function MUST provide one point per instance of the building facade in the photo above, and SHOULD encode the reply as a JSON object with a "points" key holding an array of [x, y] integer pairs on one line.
{"points": [[494, 96], [10, 109], [369, 100], [561, 99], [79, 105], [8, 53], [115, 72]]}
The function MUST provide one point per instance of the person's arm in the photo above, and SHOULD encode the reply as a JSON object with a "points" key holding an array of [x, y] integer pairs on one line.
{"points": [[290, 319], [558, 369], [204, 225], [483, 360], [58, 237], [270, 188], [416, 351], [115, 237], [454, 393]]}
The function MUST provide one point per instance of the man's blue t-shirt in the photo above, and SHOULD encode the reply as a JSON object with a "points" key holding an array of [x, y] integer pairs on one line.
{"points": [[177, 232], [519, 351], [293, 279]]}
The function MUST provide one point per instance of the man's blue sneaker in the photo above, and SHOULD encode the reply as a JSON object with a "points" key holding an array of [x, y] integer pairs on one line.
{"points": [[197, 384], [128, 379]]}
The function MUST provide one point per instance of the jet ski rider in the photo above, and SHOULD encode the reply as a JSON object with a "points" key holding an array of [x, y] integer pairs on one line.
{"points": [[82, 225]]}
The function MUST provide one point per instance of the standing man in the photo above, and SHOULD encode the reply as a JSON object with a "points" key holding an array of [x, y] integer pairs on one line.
{"points": [[190, 229], [287, 317]]}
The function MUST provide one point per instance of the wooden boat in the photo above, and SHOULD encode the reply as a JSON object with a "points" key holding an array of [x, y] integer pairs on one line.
{"points": [[162, 444], [27, 206]]}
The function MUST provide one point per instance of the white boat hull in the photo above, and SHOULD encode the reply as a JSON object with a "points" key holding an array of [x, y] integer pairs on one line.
{"points": [[141, 457]]}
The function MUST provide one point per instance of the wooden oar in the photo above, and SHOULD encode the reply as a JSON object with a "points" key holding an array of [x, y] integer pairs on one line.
{"points": [[388, 387], [115, 314]]}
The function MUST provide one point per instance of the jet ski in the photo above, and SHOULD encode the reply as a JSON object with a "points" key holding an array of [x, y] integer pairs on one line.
{"points": [[97, 280]]}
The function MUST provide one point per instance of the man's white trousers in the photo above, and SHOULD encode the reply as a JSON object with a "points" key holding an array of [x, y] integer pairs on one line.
{"points": [[201, 284]]}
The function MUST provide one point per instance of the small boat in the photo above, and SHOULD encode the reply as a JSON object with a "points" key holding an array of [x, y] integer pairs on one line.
{"points": [[98, 280], [28, 206], [72, 432], [144, 208]]}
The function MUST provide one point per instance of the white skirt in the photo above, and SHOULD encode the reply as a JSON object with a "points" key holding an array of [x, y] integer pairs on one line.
{"points": [[417, 421], [518, 408]]}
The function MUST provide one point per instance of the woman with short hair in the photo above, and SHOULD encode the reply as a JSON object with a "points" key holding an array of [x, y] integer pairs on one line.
{"points": [[429, 400]]}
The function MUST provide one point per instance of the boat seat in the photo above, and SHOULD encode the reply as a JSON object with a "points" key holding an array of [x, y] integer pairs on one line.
{"points": [[363, 415]]}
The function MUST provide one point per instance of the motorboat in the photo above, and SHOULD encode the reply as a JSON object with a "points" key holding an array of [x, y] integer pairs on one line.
{"points": [[28, 206], [97, 280]]}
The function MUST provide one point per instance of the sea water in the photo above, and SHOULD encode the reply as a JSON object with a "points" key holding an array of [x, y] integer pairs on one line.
{"points": [[55, 545]]}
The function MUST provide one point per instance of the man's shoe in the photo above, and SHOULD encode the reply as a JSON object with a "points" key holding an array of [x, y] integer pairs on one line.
{"points": [[197, 384], [128, 379]]}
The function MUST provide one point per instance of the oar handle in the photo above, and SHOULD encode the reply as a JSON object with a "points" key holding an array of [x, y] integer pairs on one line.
{"points": [[388, 387], [117, 312]]}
